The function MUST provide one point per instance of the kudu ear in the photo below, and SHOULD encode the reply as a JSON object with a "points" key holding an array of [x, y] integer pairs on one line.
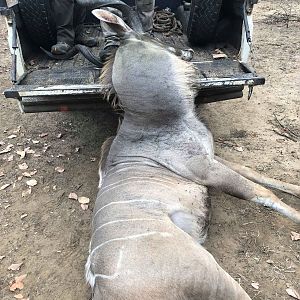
{"points": [[112, 20]]}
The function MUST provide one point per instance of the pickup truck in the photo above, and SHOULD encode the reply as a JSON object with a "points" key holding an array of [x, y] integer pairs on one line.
{"points": [[218, 31]]}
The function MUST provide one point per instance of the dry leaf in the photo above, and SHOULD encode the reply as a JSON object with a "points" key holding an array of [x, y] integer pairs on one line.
{"points": [[19, 296], [59, 169], [255, 285], [29, 174], [12, 136], [26, 174], [29, 151], [15, 267], [31, 182], [23, 216], [84, 206], [83, 200], [23, 166], [18, 284], [293, 293], [239, 149], [295, 236], [7, 149], [73, 196], [219, 54], [20, 278], [42, 135], [5, 186], [26, 193], [21, 153]]}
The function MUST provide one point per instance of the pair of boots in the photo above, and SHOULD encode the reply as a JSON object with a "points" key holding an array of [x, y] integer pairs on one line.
{"points": [[81, 37], [145, 11], [69, 18]]}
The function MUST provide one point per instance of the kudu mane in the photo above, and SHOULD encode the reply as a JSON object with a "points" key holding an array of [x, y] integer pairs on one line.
{"points": [[106, 79]]}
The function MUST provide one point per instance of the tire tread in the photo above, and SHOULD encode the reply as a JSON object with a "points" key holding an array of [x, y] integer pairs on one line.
{"points": [[204, 17], [37, 18]]}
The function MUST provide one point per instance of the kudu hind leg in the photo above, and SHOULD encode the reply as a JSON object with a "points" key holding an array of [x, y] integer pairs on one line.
{"points": [[215, 174], [261, 179]]}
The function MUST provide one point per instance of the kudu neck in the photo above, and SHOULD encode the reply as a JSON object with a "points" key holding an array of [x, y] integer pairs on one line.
{"points": [[155, 122]]}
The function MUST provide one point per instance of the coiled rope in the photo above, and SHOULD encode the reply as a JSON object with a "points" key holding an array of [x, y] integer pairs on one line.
{"points": [[164, 21]]}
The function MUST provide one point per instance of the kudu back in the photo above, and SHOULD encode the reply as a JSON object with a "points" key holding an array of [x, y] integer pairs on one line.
{"points": [[152, 210]]}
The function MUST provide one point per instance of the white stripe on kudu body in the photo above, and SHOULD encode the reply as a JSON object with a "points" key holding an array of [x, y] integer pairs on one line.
{"points": [[131, 237], [128, 202], [123, 221]]}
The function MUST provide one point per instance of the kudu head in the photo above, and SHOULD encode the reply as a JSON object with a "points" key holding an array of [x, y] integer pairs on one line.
{"points": [[149, 79]]}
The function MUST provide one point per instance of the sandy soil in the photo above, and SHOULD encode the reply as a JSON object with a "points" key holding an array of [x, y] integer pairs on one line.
{"points": [[49, 233]]}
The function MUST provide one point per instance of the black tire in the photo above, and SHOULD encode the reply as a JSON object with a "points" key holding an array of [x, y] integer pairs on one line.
{"points": [[203, 21], [39, 22]]}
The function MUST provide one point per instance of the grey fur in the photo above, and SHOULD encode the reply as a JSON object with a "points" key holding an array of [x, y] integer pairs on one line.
{"points": [[152, 209]]}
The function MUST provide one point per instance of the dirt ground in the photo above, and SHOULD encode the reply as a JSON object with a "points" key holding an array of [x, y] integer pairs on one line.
{"points": [[49, 233]]}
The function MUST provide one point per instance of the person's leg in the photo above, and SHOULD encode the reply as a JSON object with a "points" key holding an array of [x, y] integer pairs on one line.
{"points": [[63, 13], [79, 15], [145, 10], [81, 37], [112, 41]]}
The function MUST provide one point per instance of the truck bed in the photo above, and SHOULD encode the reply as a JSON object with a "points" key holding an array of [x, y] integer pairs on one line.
{"points": [[50, 85]]}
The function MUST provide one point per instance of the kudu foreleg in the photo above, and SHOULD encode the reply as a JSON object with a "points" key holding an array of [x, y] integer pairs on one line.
{"points": [[261, 179], [213, 173]]}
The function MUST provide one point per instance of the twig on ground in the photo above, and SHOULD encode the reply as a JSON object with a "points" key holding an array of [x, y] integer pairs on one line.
{"points": [[226, 143], [285, 131], [285, 128], [285, 135]]}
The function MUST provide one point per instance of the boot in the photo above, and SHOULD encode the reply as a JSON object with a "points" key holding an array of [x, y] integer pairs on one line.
{"points": [[112, 41], [107, 51], [83, 38], [60, 48]]}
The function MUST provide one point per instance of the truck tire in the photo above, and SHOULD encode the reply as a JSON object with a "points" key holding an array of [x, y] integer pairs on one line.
{"points": [[203, 21], [38, 21]]}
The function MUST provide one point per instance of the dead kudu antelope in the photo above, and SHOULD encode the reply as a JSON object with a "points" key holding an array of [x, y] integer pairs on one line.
{"points": [[152, 211]]}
